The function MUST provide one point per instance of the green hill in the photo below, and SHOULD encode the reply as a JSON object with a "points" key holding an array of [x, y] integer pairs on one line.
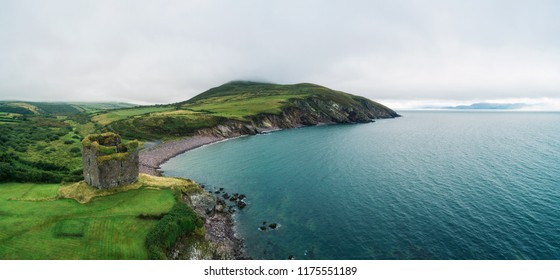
{"points": [[248, 107], [57, 108]]}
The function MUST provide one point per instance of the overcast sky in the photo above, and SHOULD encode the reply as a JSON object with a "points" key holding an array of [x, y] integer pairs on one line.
{"points": [[401, 52]]}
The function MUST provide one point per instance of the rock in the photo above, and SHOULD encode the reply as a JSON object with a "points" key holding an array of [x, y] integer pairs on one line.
{"points": [[219, 208], [221, 189], [217, 192], [241, 204], [264, 223], [225, 195], [273, 226], [291, 257], [242, 196], [262, 228]]}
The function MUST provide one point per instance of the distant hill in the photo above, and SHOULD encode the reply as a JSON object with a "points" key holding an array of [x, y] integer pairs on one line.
{"points": [[245, 107], [56, 108], [489, 106]]}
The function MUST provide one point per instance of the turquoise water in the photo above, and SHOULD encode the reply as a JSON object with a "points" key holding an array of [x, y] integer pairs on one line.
{"points": [[429, 185]]}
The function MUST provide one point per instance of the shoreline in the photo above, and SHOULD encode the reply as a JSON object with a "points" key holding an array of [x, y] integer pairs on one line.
{"points": [[219, 227], [151, 159]]}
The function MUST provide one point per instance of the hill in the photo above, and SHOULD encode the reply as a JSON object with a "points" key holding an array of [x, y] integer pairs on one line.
{"points": [[40, 141], [56, 108], [244, 107]]}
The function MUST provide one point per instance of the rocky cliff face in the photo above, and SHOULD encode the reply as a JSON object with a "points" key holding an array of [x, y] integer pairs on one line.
{"points": [[305, 112]]}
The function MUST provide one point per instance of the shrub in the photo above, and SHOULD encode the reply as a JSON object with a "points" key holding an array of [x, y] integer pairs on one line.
{"points": [[179, 221], [75, 150], [68, 142]]}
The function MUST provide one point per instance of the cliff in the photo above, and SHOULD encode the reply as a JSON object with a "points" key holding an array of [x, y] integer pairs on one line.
{"points": [[304, 105], [303, 112]]}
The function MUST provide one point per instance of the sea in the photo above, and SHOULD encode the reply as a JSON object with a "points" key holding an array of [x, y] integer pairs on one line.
{"points": [[427, 185]]}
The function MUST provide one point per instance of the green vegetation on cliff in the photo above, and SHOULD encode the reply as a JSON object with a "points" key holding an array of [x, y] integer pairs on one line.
{"points": [[248, 103]]}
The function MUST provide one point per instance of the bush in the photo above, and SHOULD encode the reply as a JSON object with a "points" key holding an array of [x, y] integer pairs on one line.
{"points": [[179, 221], [68, 142], [75, 150]]}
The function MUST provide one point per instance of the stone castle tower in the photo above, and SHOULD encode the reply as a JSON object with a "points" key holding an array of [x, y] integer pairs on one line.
{"points": [[107, 162]]}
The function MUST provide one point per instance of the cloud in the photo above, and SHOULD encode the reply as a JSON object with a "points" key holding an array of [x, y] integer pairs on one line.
{"points": [[168, 51]]}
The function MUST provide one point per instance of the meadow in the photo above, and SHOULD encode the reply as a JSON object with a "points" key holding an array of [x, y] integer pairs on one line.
{"points": [[35, 224], [116, 115]]}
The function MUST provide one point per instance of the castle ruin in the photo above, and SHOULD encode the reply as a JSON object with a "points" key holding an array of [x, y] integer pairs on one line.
{"points": [[107, 162]]}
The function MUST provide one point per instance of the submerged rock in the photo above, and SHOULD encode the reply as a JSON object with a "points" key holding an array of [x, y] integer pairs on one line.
{"points": [[241, 204], [273, 226]]}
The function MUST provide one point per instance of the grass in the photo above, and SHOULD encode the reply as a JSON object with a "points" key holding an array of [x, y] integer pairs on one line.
{"points": [[8, 118], [37, 222], [84, 193], [243, 106], [116, 115]]}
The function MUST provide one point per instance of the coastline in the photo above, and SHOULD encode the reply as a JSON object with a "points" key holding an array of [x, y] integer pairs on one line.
{"points": [[150, 159], [219, 226]]}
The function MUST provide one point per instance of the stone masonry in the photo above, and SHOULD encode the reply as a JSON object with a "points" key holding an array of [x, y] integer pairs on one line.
{"points": [[107, 162]]}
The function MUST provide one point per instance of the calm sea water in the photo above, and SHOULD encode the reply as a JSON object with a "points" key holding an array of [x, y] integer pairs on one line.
{"points": [[429, 185]]}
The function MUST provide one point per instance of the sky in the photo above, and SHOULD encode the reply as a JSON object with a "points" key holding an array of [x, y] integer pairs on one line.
{"points": [[402, 53]]}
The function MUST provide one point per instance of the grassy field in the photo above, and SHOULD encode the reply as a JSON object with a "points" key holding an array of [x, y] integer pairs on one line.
{"points": [[116, 115], [35, 224], [8, 118], [241, 107]]}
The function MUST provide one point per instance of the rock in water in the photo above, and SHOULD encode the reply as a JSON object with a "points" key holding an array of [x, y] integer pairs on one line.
{"points": [[241, 204]]}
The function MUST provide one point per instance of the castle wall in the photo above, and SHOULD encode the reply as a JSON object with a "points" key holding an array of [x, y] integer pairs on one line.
{"points": [[114, 173], [106, 173]]}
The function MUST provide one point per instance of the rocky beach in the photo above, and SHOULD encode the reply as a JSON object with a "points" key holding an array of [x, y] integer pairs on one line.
{"points": [[218, 224], [151, 158]]}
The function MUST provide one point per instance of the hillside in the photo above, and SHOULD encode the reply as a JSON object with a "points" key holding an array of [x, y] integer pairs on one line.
{"points": [[243, 107], [40, 141], [25, 108]]}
